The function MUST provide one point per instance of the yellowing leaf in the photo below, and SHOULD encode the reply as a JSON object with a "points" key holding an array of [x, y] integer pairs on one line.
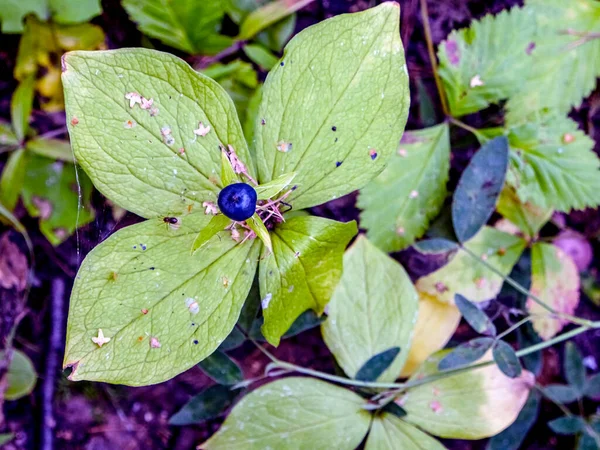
{"points": [[471, 405], [555, 281], [398, 204], [162, 308], [144, 155], [294, 413], [372, 309], [466, 276], [303, 270], [528, 217], [334, 109], [388, 432], [436, 323]]}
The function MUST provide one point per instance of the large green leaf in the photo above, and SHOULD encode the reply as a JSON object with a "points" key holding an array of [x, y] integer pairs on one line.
{"points": [[335, 107], [13, 12], [69, 11], [553, 164], [390, 433], [398, 204], [188, 25], [470, 405], [58, 195], [565, 64], [162, 308], [554, 281], [294, 413], [485, 63], [302, 271], [21, 376], [373, 308], [464, 275], [149, 161]]}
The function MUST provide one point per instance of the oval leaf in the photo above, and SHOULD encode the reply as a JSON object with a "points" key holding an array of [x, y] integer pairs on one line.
{"points": [[436, 323], [475, 317], [208, 404], [376, 365], [567, 425], [465, 276], [398, 204], [471, 405], [51, 148], [221, 369], [21, 376], [372, 310], [266, 15], [561, 393], [335, 107], [294, 410], [215, 226], [156, 159], [554, 281], [390, 433], [435, 246], [466, 353], [303, 270], [12, 178], [478, 189], [507, 359], [574, 368], [162, 308]]}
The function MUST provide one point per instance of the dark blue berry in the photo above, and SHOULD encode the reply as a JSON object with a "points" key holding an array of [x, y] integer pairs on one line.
{"points": [[237, 201]]}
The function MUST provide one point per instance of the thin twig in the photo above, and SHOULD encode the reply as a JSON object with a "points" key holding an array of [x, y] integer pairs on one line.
{"points": [[432, 57]]}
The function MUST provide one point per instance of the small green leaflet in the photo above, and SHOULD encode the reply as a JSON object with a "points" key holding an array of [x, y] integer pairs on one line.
{"points": [[435, 246], [260, 56], [464, 275], [221, 369], [157, 159], [507, 360], [474, 316], [398, 204], [373, 308], [561, 393], [21, 376], [12, 177], [20, 106], [228, 175], [293, 410], [485, 63], [215, 226], [208, 404], [51, 192], [302, 271], [188, 25], [266, 15], [7, 136], [466, 353], [567, 425], [377, 364], [390, 433], [272, 188], [574, 368], [480, 184], [470, 405], [318, 105], [553, 164], [51, 148], [257, 225], [162, 308]]}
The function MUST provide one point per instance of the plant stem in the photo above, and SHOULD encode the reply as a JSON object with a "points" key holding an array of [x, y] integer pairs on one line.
{"points": [[522, 290], [513, 327], [464, 126], [432, 58]]}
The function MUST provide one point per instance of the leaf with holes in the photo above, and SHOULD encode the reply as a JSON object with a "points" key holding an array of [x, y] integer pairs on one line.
{"points": [[372, 310], [302, 271], [478, 189], [466, 276], [162, 308], [554, 281], [304, 410], [51, 192], [470, 405], [173, 159], [390, 433], [553, 164], [187, 25], [398, 204], [335, 107]]}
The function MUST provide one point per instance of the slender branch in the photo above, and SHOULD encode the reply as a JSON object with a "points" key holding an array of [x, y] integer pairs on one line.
{"points": [[53, 133], [514, 327], [464, 126], [432, 57]]}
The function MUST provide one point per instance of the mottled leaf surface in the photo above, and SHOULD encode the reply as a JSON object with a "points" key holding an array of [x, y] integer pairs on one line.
{"points": [[398, 204], [133, 155], [555, 281], [464, 275], [373, 308], [470, 405], [302, 271], [335, 107], [163, 309], [390, 433], [292, 413]]}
